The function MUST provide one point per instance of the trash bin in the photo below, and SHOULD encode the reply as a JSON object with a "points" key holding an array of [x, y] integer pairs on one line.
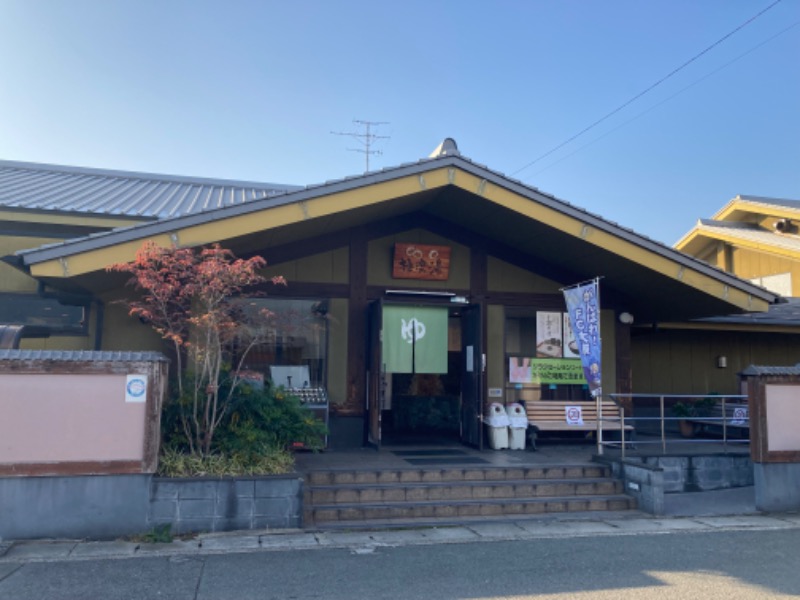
{"points": [[517, 426], [497, 422]]}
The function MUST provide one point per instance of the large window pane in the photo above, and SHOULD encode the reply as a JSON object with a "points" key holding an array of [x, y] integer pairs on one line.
{"points": [[296, 335]]}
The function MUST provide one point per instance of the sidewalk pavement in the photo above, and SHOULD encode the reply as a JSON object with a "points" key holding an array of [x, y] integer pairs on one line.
{"points": [[712, 512]]}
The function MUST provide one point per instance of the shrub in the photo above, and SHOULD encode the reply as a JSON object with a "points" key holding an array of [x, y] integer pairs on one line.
{"points": [[259, 461], [254, 437]]}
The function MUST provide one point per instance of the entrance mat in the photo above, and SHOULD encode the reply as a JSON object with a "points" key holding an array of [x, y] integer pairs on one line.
{"points": [[442, 452], [467, 460]]}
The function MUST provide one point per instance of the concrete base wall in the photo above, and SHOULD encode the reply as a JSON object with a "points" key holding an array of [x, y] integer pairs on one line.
{"points": [[777, 486], [703, 472], [95, 506], [649, 478], [109, 506], [643, 482], [195, 505]]}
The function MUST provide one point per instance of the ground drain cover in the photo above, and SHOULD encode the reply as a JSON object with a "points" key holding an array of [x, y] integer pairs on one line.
{"points": [[429, 453], [467, 460]]}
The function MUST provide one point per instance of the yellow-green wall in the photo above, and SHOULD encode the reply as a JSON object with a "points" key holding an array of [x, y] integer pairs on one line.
{"points": [[326, 267], [14, 280], [505, 277], [750, 264], [685, 361], [123, 332]]}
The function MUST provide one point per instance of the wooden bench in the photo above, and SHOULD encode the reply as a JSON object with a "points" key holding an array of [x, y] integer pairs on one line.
{"points": [[551, 416], [737, 417]]}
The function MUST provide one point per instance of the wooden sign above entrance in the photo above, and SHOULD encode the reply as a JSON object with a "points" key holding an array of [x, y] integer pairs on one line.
{"points": [[419, 261]]}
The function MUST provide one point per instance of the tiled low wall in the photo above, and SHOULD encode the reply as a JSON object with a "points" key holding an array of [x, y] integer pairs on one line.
{"points": [[109, 506]]}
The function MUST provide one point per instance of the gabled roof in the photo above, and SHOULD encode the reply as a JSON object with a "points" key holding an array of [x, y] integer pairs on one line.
{"points": [[757, 205], [737, 223], [41, 187], [537, 228]]}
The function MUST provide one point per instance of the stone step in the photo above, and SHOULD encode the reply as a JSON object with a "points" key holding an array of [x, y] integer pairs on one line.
{"points": [[461, 490], [449, 474], [334, 513]]}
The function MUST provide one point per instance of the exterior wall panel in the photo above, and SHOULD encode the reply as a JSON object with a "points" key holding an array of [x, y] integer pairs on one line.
{"points": [[684, 361], [504, 277], [750, 264]]}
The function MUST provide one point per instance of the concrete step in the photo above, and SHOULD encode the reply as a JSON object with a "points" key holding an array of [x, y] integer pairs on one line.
{"points": [[450, 474], [461, 490], [336, 513]]}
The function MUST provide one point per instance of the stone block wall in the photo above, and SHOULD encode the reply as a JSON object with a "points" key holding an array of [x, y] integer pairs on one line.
{"points": [[216, 504], [110, 506], [703, 472]]}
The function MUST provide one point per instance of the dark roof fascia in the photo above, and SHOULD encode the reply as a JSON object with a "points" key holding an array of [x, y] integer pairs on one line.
{"points": [[166, 226]]}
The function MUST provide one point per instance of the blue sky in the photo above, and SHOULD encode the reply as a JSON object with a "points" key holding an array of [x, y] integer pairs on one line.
{"points": [[252, 89]]}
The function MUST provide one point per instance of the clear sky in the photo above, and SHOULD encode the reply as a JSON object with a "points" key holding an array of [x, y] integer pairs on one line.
{"points": [[252, 90]]}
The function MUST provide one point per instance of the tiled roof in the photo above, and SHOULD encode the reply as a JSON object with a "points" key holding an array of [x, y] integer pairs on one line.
{"points": [[749, 233], [770, 202], [81, 356], [99, 191], [754, 370], [782, 314]]}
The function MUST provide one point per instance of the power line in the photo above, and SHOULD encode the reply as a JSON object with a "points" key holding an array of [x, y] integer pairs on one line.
{"points": [[366, 139], [665, 100], [653, 86]]}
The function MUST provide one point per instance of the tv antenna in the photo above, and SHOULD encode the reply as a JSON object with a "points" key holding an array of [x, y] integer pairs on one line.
{"points": [[366, 138]]}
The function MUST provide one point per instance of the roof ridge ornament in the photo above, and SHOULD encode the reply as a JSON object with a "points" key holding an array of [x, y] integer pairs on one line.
{"points": [[447, 148]]}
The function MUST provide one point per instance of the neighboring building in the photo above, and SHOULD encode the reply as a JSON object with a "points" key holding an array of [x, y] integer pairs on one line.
{"points": [[754, 238], [479, 257]]}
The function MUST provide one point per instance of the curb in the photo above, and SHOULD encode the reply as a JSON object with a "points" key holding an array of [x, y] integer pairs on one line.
{"points": [[367, 541]]}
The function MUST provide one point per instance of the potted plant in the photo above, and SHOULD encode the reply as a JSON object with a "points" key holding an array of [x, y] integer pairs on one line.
{"points": [[691, 409]]}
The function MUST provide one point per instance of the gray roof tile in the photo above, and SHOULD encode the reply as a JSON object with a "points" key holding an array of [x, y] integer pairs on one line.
{"points": [[755, 370], [98, 191], [81, 356], [749, 232]]}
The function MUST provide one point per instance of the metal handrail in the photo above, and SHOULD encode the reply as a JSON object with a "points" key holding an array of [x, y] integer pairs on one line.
{"points": [[663, 419]]}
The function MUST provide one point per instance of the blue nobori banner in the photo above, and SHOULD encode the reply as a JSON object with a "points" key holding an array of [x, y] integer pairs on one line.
{"points": [[583, 306]]}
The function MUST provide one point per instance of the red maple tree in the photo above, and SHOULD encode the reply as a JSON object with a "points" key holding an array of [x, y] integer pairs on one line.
{"points": [[192, 298]]}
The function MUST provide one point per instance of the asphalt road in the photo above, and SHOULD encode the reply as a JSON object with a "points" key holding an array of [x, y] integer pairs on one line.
{"points": [[681, 565]]}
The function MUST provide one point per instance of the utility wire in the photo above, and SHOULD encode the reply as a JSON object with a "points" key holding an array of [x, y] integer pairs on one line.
{"points": [[665, 100], [653, 86]]}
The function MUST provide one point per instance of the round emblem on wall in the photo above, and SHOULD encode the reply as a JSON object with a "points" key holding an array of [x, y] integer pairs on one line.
{"points": [[136, 387]]}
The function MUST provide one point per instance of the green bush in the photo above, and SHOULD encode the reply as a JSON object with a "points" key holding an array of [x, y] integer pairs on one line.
{"points": [[254, 436], [269, 417], [261, 461]]}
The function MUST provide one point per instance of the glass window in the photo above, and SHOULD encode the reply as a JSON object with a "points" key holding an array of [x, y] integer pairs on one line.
{"points": [[47, 314], [541, 360], [296, 335]]}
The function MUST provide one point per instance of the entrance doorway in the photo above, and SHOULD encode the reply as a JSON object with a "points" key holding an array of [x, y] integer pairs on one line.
{"points": [[426, 404]]}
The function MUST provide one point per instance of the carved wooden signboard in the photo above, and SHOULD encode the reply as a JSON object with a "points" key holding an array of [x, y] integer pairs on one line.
{"points": [[419, 261]]}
